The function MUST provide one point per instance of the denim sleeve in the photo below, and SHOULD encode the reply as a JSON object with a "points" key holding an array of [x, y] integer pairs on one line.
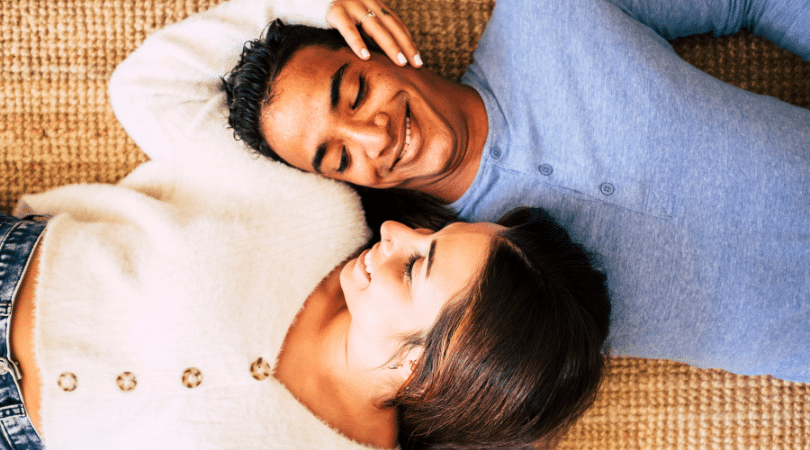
{"points": [[785, 22]]}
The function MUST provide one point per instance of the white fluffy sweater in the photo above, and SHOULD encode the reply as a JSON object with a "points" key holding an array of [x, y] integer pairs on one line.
{"points": [[201, 258]]}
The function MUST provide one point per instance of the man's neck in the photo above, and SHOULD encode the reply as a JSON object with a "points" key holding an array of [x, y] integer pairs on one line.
{"points": [[451, 187]]}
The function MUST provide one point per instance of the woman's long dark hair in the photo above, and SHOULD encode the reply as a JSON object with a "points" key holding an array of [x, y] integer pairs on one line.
{"points": [[415, 209], [519, 358]]}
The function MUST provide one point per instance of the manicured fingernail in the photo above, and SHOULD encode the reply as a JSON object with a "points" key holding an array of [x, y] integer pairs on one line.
{"points": [[417, 59], [402, 59], [364, 53]]}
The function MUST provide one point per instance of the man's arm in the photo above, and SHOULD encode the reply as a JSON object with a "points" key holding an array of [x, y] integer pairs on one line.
{"points": [[167, 94], [785, 22]]}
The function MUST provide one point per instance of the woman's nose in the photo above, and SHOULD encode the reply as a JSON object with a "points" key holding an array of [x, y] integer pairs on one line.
{"points": [[392, 235], [395, 235]]}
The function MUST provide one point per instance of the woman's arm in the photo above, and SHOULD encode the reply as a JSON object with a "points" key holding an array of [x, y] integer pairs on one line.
{"points": [[785, 22], [168, 95]]}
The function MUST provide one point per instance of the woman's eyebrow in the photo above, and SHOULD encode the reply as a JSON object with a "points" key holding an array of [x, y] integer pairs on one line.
{"points": [[431, 256]]}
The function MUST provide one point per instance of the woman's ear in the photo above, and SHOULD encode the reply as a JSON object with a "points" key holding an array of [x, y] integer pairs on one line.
{"points": [[409, 362]]}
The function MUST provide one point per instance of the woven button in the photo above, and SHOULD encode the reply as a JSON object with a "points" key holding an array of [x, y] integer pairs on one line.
{"points": [[606, 188], [126, 381], [545, 169], [67, 381], [260, 369], [192, 377]]}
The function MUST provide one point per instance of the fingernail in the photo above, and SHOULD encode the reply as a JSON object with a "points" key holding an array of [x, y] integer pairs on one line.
{"points": [[364, 53], [417, 59], [402, 59]]}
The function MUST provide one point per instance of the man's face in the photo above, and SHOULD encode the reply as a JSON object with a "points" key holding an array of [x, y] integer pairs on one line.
{"points": [[371, 123]]}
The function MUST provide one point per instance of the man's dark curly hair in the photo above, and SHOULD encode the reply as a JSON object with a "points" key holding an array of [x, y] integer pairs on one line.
{"points": [[249, 86]]}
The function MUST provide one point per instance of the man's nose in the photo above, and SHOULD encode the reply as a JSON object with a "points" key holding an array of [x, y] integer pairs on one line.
{"points": [[371, 136]]}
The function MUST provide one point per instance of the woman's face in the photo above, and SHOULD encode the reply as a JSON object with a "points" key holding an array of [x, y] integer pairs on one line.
{"points": [[399, 286]]}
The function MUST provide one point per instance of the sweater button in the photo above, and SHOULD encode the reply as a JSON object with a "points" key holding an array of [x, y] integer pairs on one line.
{"points": [[126, 381], [67, 381], [260, 369], [192, 377]]}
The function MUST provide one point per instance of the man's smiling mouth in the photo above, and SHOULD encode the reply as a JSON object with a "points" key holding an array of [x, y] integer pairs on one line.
{"points": [[407, 137]]}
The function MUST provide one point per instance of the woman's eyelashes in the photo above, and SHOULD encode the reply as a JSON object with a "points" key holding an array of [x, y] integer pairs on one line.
{"points": [[408, 269]]}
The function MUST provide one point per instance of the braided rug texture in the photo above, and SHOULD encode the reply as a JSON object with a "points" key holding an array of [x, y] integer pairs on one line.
{"points": [[56, 127]]}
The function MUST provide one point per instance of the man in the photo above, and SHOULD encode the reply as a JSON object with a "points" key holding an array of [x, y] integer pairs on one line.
{"points": [[694, 192]]}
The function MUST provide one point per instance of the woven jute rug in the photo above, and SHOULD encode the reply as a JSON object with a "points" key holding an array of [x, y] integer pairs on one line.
{"points": [[56, 127]]}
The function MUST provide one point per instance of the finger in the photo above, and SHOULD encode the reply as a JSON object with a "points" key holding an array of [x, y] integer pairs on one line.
{"points": [[342, 21], [387, 12], [399, 32], [377, 31], [369, 21]]}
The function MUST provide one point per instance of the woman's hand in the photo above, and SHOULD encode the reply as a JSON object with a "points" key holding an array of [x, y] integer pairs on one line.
{"points": [[380, 23]]}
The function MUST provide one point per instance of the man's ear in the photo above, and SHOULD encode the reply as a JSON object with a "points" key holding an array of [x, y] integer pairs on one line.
{"points": [[409, 362]]}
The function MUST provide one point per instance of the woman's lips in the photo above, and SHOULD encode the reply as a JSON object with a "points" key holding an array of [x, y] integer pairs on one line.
{"points": [[361, 264], [367, 262]]}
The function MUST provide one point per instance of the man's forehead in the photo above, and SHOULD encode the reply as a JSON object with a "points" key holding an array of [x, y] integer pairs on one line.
{"points": [[317, 61], [304, 81]]}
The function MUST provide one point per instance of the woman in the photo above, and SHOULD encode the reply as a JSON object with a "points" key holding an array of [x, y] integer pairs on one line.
{"points": [[196, 306]]}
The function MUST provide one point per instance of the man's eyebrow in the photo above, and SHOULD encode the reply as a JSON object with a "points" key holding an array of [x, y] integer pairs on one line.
{"points": [[431, 256], [337, 78]]}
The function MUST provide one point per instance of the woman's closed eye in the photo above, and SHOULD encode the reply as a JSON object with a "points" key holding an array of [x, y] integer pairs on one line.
{"points": [[408, 269]]}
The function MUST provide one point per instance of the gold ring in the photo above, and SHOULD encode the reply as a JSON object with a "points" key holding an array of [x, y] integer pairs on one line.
{"points": [[370, 14]]}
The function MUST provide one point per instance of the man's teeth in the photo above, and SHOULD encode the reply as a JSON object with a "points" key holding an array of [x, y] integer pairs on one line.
{"points": [[407, 140], [367, 261], [407, 132]]}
